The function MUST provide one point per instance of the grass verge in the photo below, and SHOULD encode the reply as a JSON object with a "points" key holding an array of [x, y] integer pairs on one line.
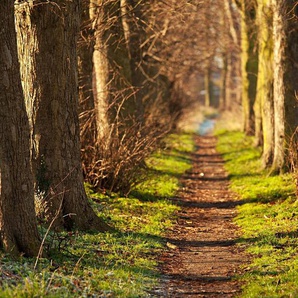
{"points": [[120, 264], [268, 218]]}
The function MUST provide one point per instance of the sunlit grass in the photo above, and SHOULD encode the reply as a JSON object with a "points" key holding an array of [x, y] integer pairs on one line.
{"points": [[118, 264], [268, 218]]}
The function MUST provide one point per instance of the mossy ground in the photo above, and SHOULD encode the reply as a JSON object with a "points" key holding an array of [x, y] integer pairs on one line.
{"points": [[124, 264], [120, 264], [268, 218]]}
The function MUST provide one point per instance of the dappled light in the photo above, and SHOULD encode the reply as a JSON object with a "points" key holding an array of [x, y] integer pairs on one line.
{"points": [[148, 148]]}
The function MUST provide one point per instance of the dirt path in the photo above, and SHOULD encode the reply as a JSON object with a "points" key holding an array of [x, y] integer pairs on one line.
{"points": [[202, 256]]}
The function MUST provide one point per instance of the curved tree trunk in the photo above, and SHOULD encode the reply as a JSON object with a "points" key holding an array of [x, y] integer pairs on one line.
{"points": [[52, 103], [17, 215]]}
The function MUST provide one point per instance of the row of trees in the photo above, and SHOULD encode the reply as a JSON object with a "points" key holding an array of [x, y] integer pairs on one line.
{"points": [[92, 83], [89, 88], [269, 73], [257, 50]]}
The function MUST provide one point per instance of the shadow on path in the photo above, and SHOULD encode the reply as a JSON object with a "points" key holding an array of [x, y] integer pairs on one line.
{"points": [[203, 258]]}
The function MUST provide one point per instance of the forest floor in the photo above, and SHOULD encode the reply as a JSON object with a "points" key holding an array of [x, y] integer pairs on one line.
{"points": [[203, 258]]}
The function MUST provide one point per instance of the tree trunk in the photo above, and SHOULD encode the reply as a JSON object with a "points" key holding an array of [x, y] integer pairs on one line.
{"points": [[223, 83], [207, 81], [249, 66], [114, 103], [100, 73], [230, 104], [151, 86], [52, 102], [86, 99], [265, 78], [17, 215], [285, 31], [134, 24]]}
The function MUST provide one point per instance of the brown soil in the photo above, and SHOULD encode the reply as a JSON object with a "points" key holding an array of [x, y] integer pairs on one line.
{"points": [[203, 258]]}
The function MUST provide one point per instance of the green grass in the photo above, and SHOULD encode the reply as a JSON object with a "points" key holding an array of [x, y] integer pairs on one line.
{"points": [[268, 218], [120, 264]]}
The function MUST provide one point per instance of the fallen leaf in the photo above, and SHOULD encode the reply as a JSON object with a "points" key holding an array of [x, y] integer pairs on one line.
{"points": [[171, 246]]}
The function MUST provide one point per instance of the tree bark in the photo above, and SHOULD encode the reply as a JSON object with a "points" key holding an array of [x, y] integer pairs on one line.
{"points": [[134, 24], [223, 83], [207, 82], [143, 36], [114, 103], [265, 78], [86, 99], [100, 73], [17, 215], [249, 66], [230, 104], [51, 30], [285, 81]]}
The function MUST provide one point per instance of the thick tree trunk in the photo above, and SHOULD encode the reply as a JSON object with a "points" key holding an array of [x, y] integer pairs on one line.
{"points": [[52, 103], [265, 78], [17, 215], [285, 31]]}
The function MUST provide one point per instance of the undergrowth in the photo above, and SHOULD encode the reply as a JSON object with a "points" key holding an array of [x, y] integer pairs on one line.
{"points": [[268, 218], [119, 264]]}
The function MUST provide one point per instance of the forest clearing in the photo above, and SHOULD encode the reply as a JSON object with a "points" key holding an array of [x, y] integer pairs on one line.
{"points": [[148, 148]]}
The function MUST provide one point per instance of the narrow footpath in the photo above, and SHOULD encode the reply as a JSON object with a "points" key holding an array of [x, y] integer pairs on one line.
{"points": [[202, 258]]}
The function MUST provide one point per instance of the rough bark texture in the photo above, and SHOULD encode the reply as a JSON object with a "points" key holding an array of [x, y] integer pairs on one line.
{"points": [[285, 80], [17, 215], [52, 103], [265, 78]]}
